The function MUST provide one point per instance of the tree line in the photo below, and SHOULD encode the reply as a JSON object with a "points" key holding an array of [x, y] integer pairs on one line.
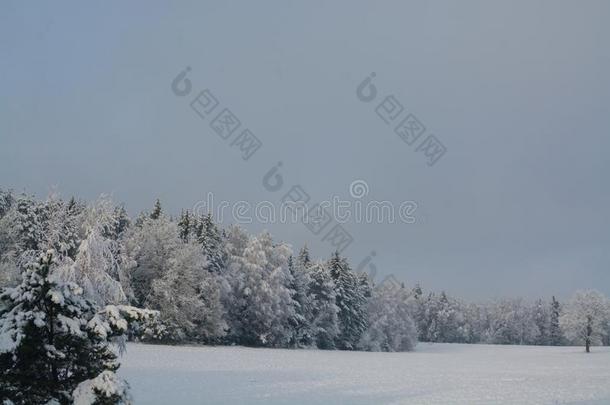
{"points": [[215, 285]]}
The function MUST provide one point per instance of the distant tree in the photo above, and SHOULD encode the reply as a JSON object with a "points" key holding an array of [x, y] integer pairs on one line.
{"points": [[390, 326], [120, 225], [510, 321], [351, 301], [555, 332], [157, 210], [99, 266], [261, 304], [585, 317], [300, 286], [6, 201], [188, 297], [184, 226], [63, 230], [28, 220], [542, 319], [304, 260], [210, 239], [151, 246], [324, 323], [417, 291]]}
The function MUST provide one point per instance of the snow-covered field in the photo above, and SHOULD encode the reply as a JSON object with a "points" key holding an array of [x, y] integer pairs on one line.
{"points": [[433, 374]]}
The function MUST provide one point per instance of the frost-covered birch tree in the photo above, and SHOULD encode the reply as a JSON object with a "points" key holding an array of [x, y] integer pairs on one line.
{"points": [[585, 318]]}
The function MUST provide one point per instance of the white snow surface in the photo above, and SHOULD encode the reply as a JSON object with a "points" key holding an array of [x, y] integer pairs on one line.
{"points": [[432, 374]]}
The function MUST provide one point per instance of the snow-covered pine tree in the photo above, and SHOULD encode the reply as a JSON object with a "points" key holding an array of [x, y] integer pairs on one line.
{"points": [[9, 273], [555, 332], [303, 336], [28, 222], [63, 227], [184, 226], [157, 210], [350, 300], [6, 201], [210, 238], [324, 315], [52, 339], [119, 224], [542, 321], [304, 260]]}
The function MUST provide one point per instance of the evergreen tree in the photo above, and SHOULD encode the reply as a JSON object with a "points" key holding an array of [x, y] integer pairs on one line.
{"points": [[350, 300], [6, 201], [210, 238], [542, 321], [29, 224], [417, 291], [324, 322], [555, 333], [120, 224], [300, 281], [63, 227], [157, 210], [304, 259], [184, 226], [53, 338]]}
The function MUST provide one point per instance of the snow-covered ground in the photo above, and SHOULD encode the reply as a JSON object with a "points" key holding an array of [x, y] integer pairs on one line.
{"points": [[433, 374]]}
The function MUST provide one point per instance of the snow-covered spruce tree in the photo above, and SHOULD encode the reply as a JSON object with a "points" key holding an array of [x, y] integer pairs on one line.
{"points": [[52, 339], [418, 311], [9, 274], [157, 210], [541, 318], [63, 228], [300, 284], [22, 233], [351, 301], [185, 226], [585, 317], [210, 238], [188, 298], [390, 326], [304, 258], [6, 201], [325, 321], [29, 222], [555, 332]]}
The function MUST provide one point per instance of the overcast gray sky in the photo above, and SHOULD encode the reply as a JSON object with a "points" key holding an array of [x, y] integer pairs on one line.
{"points": [[518, 92]]}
